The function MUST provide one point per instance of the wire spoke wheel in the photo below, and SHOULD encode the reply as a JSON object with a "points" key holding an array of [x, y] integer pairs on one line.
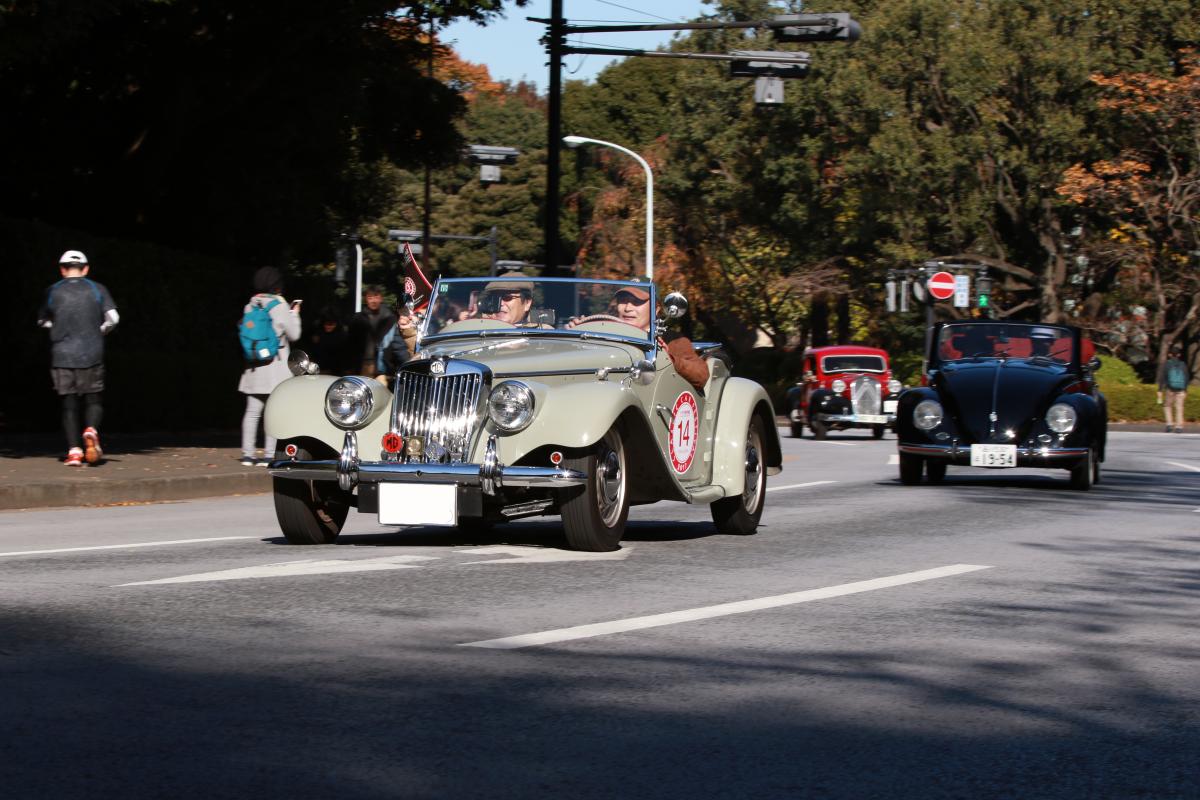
{"points": [[594, 514]]}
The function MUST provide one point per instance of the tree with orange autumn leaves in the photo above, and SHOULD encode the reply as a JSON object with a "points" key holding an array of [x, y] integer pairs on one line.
{"points": [[1145, 203]]}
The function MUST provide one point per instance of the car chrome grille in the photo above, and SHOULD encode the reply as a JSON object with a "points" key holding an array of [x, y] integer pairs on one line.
{"points": [[440, 404], [864, 395]]}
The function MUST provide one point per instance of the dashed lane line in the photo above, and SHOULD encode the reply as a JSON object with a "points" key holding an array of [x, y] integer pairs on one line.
{"points": [[124, 546], [722, 610]]}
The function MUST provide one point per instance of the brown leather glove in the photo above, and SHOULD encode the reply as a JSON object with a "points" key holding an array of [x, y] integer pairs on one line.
{"points": [[691, 367]]}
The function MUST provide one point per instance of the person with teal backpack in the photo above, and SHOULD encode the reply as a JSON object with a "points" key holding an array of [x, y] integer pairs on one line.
{"points": [[268, 324], [1173, 381]]}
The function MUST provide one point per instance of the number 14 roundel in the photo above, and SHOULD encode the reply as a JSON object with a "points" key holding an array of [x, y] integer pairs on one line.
{"points": [[682, 442]]}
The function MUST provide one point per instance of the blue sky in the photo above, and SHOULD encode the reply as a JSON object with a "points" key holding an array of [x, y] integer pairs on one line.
{"points": [[510, 48]]}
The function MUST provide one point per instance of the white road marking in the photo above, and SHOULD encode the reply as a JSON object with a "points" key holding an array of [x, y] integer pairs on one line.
{"points": [[797, 486], [124, 546], [893, 459], [542, 555], [839, 444], [288, 569], [1184, 466], [724, 609]]}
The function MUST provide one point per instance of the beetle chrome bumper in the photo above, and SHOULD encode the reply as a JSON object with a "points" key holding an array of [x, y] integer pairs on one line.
{"points": [[491, 475], [1026, 456]]}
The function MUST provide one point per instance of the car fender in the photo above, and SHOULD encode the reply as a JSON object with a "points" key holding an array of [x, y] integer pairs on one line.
{"points": [[571, 416], [297, 409], [741, 400]]}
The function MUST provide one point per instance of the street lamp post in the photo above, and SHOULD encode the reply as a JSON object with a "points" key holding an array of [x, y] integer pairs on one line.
{"points": [[575, 141]]}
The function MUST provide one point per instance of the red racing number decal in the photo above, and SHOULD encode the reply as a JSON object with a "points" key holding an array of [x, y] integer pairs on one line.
{"points": [[683, 435]]}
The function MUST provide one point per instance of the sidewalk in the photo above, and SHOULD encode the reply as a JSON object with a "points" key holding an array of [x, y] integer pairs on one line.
{"points": [[156, 468], [138, 468]]}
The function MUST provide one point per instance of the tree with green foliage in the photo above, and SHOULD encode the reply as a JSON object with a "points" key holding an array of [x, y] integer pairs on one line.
{"points": [[240, 129]]}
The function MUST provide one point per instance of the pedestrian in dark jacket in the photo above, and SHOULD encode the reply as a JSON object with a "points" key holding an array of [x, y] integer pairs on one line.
{"points": [[368, 328], [329, 343], [78, 312]]}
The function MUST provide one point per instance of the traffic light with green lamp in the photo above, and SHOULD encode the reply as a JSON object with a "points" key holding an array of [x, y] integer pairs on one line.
{"points": [[983, 288]]}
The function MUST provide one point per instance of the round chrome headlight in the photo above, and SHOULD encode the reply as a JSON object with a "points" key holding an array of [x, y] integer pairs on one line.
{"points": [[894, 386], [838, 386], [348, 401], [1061, 418], [927, 415], [510, 406]]}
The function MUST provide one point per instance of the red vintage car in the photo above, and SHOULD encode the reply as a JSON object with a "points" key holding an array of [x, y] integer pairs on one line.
{"points": [[844, 386]]}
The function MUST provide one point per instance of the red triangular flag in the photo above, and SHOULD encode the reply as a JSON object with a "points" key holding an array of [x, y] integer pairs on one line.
{"points": [[416, 285]]}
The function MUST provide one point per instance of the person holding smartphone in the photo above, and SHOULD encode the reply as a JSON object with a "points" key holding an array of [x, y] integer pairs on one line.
{"points": [[260, 378]]}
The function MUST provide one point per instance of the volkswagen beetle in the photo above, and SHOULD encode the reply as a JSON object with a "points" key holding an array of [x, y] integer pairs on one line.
{"points": [[529, 396], [1001, 395], [843, 386]]}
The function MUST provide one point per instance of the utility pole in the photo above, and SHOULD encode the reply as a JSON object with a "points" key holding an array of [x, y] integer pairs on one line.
{"points": [[555, 39]]}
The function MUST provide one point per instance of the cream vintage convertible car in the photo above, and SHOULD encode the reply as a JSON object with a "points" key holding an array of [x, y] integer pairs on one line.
{"points": [[529, 396]]}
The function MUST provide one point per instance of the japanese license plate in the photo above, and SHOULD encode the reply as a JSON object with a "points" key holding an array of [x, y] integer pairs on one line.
{"points": [[993, 455], [889, 406], [418, 504], [874, 419]]}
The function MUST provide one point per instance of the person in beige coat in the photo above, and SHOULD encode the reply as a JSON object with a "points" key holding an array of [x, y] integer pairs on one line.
{"points": [[260, 379]]}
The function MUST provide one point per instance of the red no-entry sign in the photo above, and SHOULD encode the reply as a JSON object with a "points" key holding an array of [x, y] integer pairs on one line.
{"points": [[941, 285]]}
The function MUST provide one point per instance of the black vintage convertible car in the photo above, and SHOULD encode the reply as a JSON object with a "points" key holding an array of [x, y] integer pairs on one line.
{"points": [[1000, 395]]}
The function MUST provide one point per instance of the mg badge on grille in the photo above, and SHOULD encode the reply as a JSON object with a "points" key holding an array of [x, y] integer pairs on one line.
{"points": [[437, 367]]}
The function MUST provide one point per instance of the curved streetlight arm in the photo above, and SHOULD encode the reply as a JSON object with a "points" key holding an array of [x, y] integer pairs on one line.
{"points": [[575, 141]]}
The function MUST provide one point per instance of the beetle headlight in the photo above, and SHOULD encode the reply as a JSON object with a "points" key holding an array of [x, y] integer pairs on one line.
{"points": [[838, 386], [927, 415], [894, 386], [510, 406], [348, 401], [1061, 418]]}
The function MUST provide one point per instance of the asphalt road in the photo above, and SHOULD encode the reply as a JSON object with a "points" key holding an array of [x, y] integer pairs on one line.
{"points": [[998, 636]]}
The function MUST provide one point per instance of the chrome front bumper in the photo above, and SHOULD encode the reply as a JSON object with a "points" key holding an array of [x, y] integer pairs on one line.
{"points": [[491, 475], [856, 419], [957, 453]]}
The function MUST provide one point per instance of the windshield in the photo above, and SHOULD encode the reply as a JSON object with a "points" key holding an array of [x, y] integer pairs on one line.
{"points": [[1011, 340], [852, 364], [522, 305]]}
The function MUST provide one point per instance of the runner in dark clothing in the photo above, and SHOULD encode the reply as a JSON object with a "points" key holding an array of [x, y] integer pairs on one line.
{"points": [[78, 312]]}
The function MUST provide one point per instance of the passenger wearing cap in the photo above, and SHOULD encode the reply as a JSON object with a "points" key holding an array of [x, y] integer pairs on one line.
{"points": [[78, 312]]}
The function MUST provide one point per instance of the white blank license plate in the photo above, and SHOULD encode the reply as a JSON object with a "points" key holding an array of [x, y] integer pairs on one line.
{"points": [[889, 406], [993, 455], [418, 504], [877, 419]]}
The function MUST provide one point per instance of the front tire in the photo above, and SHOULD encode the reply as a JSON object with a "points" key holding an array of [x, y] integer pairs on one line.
{"points": [[594, 514], [819, 429], [797, 429], [309, 512], [739, 516], [911, 468], [877, 431], [935, 470], [1083, 473]]}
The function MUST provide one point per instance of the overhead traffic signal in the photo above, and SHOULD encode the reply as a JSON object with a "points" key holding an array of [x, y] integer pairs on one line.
{"points": [[836, 26]]}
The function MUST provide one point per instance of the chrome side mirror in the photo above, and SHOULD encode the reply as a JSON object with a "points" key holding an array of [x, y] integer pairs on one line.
{"points": [[675, 305], [1093, 363], [643, 372], [300, 364]]}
